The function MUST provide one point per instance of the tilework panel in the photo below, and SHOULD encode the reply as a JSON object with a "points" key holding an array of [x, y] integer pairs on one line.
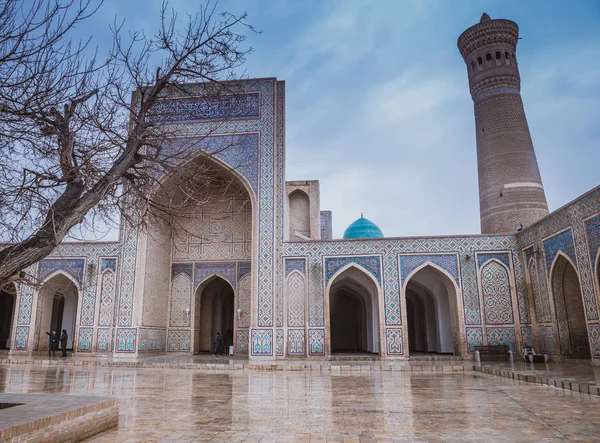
{"points": [[225, 107], [592, 229], [181, 299], [107, 298], [103, 340], [127, 280], [126, 338], [262, 342], [279, 199], [244, 301], [84, 340], [326, 226], [526, 336], [279, 341], [594, 332], [502, 257], [25, 299], [70, 266], [560, 242], [447, 262], [244, 268], [295, 264], [474, 338], [295, 290], [182, 268], [22, 337], [316, 341], [393, 341], [225, 270], [495, 288], [179, 341], [560, 308], [108, 263], [370, 263], [502, 336], [242, 341], [295, 346]]}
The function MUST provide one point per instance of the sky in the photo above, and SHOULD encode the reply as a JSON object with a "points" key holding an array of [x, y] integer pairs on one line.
{"points": [[378, 107]]}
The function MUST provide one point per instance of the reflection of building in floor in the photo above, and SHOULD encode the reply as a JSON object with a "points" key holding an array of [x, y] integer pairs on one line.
{"points": [[251, 255]]}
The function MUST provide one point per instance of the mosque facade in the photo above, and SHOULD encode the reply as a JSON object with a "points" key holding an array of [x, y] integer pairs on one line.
{"points": [[261, 266]]}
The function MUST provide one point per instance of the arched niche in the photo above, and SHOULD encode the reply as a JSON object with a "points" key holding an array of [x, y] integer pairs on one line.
{"points": [[354, 313], [432, 290], [569, 309], [299, 215], [57, 307], [8, 302]]}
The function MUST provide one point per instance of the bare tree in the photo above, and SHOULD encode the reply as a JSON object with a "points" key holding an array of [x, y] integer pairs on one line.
{"points": [[79, 135]]}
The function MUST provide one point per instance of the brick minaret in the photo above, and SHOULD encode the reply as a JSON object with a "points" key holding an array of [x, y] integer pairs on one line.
{"points": [[510, 186]]}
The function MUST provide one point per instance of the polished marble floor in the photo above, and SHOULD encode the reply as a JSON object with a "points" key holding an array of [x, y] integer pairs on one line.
{"points": [[185, 405]]}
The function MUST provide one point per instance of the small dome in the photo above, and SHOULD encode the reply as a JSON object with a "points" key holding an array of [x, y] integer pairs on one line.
{"points": [[363, 228]]}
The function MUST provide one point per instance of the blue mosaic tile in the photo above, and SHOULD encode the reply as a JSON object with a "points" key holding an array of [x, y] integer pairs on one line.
{"points": [[371, 263], [326, 226], [182, 268], [225, 270], [108, 263], [560, 242], [502, 257], [447, 262], [206, 108], [244, 267], [295, 264], [70, 266], [592, 229]]}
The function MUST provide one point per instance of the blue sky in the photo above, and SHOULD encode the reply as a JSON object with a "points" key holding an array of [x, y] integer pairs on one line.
{"points": [[378, 106]]}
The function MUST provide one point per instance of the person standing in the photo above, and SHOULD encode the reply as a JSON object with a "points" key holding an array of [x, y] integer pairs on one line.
{"points": [[53, 343], [64, 337], [218, 346]]}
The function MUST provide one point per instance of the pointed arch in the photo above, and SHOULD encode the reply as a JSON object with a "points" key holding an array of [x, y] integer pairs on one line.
{"points": [[353, 311], [210, 278], [448, 318], [494, 277], [8, 314], [565, 282]]}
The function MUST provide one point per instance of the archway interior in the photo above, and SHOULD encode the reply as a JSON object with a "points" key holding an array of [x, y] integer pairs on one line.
{"points": [[566, 285], [216, 304], [7, 311], [429, 311], [59, 299], [354, 313]]}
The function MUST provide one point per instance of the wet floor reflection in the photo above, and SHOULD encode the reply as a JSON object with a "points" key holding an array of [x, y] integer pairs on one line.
{"points": [[274, 406]]}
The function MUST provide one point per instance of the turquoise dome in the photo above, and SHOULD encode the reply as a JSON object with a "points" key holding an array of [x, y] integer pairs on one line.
{"points": [[363, 228]]}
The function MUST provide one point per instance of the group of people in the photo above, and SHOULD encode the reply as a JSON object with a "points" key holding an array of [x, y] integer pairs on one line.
{"points": [[54, 339]]}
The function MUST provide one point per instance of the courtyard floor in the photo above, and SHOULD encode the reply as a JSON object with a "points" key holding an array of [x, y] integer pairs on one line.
{"points": [[188, 405]]}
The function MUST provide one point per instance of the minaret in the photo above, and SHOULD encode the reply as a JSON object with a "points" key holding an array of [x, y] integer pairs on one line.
{"points": [[510, 187]]}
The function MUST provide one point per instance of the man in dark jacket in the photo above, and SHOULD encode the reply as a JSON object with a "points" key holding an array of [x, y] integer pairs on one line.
{"points": [[218, 346], [53, 343], [63, 342]]}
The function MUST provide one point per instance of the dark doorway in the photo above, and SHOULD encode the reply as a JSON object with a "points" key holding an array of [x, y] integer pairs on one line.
{"points": [[7, 310], [216, 304]]}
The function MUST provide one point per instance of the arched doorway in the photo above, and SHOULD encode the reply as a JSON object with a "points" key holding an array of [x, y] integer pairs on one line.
{"points": [[8, 297], [570, 312], [354, 312], [57, 309], [432, 312], [216, 304]]}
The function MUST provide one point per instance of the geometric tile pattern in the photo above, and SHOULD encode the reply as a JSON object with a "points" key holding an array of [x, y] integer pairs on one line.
{"points": [[224, 270], [84, 341], [594, 331], [279, 199], [108, 263], [560, 242], [73, 267], [181, 294], [103, 340], [279, 342], [316, 341], [22, 337], [592, 229], [242, 341], [474, 338], [295, 289], [126, 338], [526, 336], [372, 264], [262, 342], [447, 262], [107, 298], [501, 257], [326, 227], [495, 287], [502, 336], [295, 264], [393, 340], [244, 301], [178, 340], [296, 345]]}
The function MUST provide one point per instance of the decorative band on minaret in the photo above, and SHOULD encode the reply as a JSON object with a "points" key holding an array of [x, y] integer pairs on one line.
{"points": [[511, 194]]}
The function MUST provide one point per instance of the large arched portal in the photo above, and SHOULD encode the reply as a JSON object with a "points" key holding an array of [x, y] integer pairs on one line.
{"points": [[216, 304], [8, 298], [432, 313], [570, 312], [354, 312], [57, 309]]}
